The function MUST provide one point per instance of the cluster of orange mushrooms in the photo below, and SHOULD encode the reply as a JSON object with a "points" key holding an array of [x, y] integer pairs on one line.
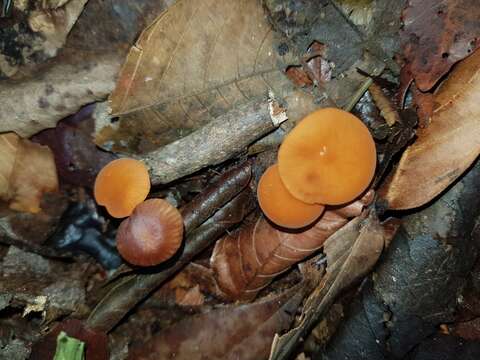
{"points": [[329, 158], [153, 231]]}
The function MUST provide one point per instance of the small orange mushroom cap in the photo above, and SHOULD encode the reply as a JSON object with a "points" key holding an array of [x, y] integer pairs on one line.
{"points": [[280, 206], [121, 185], [328, 158]]}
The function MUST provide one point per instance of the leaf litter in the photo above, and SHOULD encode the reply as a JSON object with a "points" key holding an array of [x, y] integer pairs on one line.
{"points": [[196, 67]]}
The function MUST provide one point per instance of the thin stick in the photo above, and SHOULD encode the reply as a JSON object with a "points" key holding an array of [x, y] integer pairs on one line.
{"points": [[218, 141]]}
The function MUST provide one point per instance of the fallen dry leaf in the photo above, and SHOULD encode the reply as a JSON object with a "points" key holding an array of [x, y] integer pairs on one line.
{"points": [[27, 171], [227, 332], [437, 34], [247, 260], [351, 253], [444, 149], [198, 60]]}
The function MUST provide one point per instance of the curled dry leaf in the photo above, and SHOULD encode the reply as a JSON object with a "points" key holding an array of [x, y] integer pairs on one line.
{"points": [[27, 170], [444, 149], [238, 331], [247, 260], [351, 253], [437, 34]]}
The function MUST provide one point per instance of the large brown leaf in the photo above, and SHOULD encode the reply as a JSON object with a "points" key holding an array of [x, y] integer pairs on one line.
{"points": [[447, 147], [196, 61], [27, 170], [246, 261], [228, 332], [351, 253], [437, 34]]}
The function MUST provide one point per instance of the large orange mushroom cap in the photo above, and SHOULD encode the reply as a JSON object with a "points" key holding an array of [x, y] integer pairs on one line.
{"points": [[280, 206], [121, 185], [328, 158]]}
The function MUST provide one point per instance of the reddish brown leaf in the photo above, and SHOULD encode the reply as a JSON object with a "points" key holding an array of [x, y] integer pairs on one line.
{"points": [[437, 34], [229, 332], [444, 149], [246, 261]]}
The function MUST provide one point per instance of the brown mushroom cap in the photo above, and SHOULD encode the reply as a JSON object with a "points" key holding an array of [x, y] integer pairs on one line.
{"points": [[121, 185], [152, 234], [280, 206], [328, 158]]}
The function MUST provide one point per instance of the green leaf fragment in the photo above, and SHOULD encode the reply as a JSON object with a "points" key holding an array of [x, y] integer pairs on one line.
{"points": [[69, 348]]}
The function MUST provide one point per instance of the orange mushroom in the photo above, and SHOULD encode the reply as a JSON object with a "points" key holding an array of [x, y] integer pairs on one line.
{"points": [[152, 234], [328, 158], [280, 206], [121, 185]]}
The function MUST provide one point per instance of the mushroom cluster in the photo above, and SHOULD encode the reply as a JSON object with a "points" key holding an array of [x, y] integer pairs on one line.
{"points": [[329, 158], [153, 230]]}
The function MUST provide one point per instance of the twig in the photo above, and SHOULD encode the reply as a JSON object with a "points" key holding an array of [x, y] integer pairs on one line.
{"points": [[219, 140], [358, 94]]}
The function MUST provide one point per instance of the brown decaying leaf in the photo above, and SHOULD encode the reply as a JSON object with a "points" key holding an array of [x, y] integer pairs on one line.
{"points": [[27, 170], [196, 61], [447, 147], [351, 253], [228, 332], [247, 260], [437, 34]]}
